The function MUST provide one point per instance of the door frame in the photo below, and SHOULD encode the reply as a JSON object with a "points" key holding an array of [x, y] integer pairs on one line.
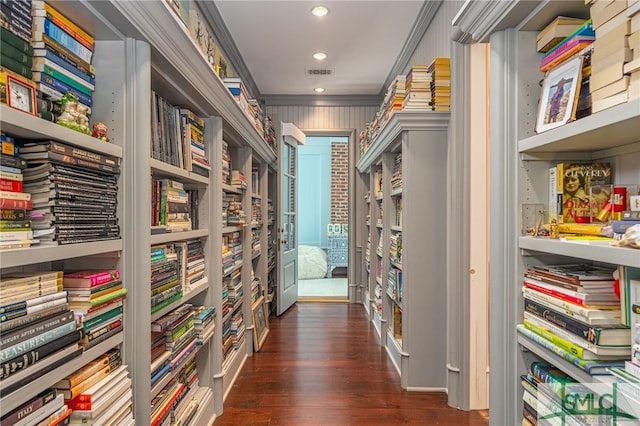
{"points": [[354, 291]]}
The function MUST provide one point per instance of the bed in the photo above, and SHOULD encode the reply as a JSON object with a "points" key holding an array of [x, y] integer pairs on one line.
{"points": [[312, 263]]}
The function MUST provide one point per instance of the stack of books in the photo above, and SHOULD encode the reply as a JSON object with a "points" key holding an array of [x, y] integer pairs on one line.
{"points": [[165, 282], [62, 61], [256, 287], [396, 175], [15, 203], [38, 330], [226, 164], [255, 242], [74, 193], [418, 88], [171, 206], [194, 151], [235, 214], [270, 133], [109, 398], [16, 54], [394, 98], [440, 70], [556, 31], [96, 298], [569, 47], [204, 323], [233, 283], [237, 328], [238, 179], [612, 50], [239, 92], [256, 213], [632, 69], [258, 115], [573, 311], [191, 259]]}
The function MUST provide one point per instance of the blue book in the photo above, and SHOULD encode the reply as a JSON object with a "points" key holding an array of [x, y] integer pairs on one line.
{"points": [[67, 41], [158, 374], [10, 169], [56, 84]]}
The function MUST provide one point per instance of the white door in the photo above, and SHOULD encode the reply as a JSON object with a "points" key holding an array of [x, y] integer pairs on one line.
{"points": [[287, 284]]}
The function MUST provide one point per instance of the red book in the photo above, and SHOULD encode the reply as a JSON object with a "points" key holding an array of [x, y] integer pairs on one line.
{"points": [[10, 185], [85, 279], [10, 204]]}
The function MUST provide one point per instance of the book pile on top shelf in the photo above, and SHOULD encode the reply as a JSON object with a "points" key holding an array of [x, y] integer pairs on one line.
{"points": [[249, 106], [166, 287], [567, 47], [270, 133], [393, 99], [418, 88], [255, 112], [99, 391], [556, 31], [573, 311], [39, 331], [15, 203], [62, 65], [74, 192], [615, 75], [96, 298], [440, 70]]}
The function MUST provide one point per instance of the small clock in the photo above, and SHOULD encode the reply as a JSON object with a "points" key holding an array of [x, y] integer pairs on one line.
{"points": [[21, 95]]}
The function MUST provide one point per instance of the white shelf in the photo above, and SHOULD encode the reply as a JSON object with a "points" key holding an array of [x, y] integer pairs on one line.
{"points": [[39, 253], [232, 189], [401, 121], [233, 364], [178, 236], [396, 192], [230, 229], [396, 228], [162, 169], [32, 127], [613, 127], [600, 251]]}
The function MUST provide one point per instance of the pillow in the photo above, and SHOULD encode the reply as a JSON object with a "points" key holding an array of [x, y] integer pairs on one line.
{"points": [[312, 263]]}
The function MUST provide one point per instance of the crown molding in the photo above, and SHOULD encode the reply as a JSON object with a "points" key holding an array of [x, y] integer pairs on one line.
{"points": [[423, 20]]}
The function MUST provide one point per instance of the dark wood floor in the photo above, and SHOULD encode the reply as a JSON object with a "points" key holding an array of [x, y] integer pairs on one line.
{"points": [[322, 365]]}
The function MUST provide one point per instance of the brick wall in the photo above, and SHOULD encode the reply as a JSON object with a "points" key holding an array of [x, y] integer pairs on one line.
{"points": [[339, 182]]}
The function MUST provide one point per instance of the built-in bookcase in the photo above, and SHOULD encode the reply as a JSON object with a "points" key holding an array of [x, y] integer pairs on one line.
{"points": [[520, 161], [411, 327], [142, 48]]}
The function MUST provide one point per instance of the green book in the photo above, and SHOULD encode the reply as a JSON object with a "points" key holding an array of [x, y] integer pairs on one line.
{"points": [[10, 38], [166, 303], [16, 54], [16, 66]]}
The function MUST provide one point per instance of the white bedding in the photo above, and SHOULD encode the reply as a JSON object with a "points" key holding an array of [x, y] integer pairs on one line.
{"points": [[312, 263]]}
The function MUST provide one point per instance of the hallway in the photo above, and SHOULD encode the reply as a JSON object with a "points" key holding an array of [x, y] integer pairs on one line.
{"points": [[322, 365]]}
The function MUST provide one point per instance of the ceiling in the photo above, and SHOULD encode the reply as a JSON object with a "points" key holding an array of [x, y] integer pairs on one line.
{"points": [[367, 43]]}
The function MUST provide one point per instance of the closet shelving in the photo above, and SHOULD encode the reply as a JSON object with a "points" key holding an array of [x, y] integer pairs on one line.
{"points": [[520, 160], [135, 56], [417, 345], [44, 257]]}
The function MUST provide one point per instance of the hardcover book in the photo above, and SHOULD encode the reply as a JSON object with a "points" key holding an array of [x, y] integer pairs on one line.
{"points": [[574, 183]]}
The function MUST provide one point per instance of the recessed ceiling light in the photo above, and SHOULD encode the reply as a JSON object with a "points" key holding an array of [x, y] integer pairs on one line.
{"points": [[319, 11], [319, 89], [320, 56]]}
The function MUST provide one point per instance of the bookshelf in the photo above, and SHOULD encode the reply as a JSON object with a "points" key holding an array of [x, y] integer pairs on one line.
{"points": [[149, 61], [421, 137], [519, 165]]}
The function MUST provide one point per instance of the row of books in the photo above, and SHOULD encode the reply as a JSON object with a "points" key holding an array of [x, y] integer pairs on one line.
{"points": [[52, 55], [424, 87], [173, 208]]}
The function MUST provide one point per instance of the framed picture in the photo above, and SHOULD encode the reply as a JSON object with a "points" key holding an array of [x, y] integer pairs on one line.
{"points": [[560, 91], [21, 95], [260, 323]]}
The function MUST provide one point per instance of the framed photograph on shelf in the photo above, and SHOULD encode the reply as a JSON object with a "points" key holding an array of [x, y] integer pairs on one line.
{"points": [[560, 91], [260, 323]]}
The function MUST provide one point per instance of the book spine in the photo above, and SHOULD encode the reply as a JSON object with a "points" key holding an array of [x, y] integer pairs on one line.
{"points": [[84, 164], [621, 226], [102, 318], [631, 215], [47, 80], [91, 380], [555, 293], [83, 155], [27, 319], [12, 161], [97, 340], [65, 60], [36, 341], [10, 185], [32, 357], [554, 339], [64, 39], [50, 43], [16, 54], [30, 407], [13, 40], [66, 77], [10, 204], [15, 66], [65, 25], [11, 176], [16, 23], [75, 29], [167, 302], [103, 329], [22, 334], [107, 297]]}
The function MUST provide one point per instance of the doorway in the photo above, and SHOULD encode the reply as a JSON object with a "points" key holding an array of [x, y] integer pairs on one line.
{"points": [[323, 218]]}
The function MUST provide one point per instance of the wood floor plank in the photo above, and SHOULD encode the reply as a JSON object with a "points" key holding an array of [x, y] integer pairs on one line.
{"points": [[322, 364]]}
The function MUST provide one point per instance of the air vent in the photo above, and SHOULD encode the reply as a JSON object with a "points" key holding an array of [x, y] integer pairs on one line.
{"points": [[319, 71]]}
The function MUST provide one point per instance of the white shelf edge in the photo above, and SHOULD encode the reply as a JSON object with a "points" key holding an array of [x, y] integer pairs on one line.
{"points": [[166, 169], [50, 252], [230, 229], [401, 121], [232, 189], [178, 236], [32, 127], [396, 228], [599, 251]]}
